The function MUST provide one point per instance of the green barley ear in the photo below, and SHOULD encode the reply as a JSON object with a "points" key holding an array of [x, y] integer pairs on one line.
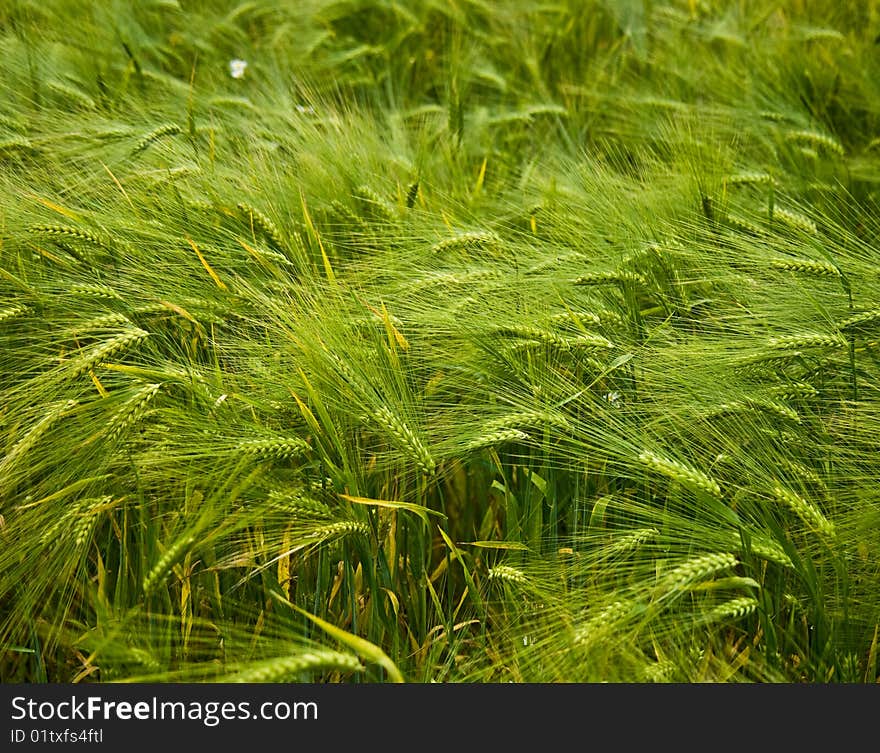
{"points": [[809, 513], [816, 140], [167, 561], [289, 668], [260, 221], [32, 437], [806, 266], [466, 242], [405, 438], [375, 204], [795, 220], [683, 474], [167, 129]]}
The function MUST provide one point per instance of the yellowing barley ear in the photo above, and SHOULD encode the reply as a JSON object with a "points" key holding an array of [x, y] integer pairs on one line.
{"points": [[507, 574]]}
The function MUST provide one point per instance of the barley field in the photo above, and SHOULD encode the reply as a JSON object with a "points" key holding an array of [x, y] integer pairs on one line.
{"points": [[362, 341]]}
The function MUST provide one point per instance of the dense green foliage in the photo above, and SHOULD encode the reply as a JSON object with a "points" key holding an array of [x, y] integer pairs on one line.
{"points": [[444, 341]]}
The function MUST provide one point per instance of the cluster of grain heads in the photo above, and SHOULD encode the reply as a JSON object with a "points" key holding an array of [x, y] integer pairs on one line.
{"points": [[684, 474], [289, 668]]}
